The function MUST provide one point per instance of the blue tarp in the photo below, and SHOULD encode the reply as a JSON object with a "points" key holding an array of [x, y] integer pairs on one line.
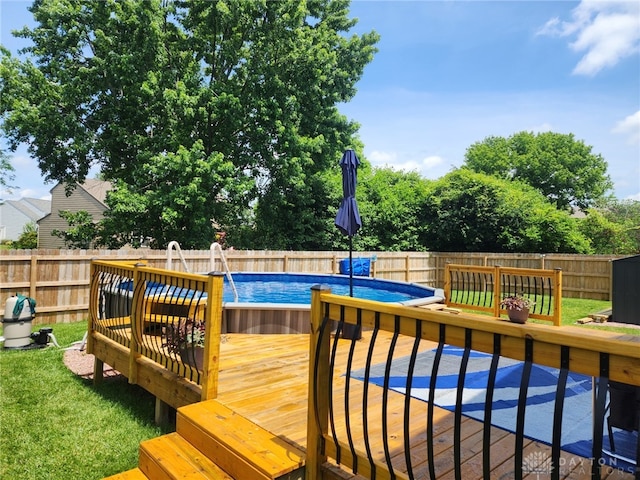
{"points": [[361, 266]]}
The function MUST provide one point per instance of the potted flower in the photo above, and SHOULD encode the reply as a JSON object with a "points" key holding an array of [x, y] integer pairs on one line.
{"points": [[187, 340], [517, 307]]}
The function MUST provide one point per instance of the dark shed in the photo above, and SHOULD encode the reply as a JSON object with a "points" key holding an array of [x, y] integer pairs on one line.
{"points": [[625, 297]]}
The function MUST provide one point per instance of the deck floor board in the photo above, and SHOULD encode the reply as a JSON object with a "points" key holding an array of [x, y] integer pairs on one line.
{"points": [[264, 378]]}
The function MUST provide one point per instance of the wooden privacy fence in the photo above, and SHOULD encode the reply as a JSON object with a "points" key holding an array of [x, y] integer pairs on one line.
{"points": [[59, 279], [371, 400], [483, 288]]}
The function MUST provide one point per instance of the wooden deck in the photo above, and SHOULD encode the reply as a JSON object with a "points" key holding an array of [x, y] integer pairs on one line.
{"points": [[265, 377]]}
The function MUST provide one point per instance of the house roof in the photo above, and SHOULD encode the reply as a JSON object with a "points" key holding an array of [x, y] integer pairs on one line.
{"points": [[97, 188], [32, 208]]}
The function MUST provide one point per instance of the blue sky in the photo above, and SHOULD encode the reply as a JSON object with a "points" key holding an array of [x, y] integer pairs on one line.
{"points": [[451, 73]]}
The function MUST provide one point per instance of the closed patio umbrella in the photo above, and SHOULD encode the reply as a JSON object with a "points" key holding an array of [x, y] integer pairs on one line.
{"points": [[348, 218]]}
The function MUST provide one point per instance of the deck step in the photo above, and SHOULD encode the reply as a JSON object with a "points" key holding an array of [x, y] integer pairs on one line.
{"points": [[236, 444], [171, 457], [135, 474]]}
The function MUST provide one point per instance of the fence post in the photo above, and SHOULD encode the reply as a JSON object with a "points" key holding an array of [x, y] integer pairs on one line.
{"points": [[212, 333], [407, 272], [610, 280], [318, 398], [33, 277]]}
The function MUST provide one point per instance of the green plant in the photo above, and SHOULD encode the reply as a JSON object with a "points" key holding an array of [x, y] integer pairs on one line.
{"points": [[516, 302], [186, 334]]}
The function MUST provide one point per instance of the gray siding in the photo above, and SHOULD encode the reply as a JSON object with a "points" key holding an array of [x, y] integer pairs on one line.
{"points": [[79, 200], [15, 214]]}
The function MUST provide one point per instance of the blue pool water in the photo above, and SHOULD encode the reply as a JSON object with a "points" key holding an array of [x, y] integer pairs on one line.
{"points": [[295, 288]]}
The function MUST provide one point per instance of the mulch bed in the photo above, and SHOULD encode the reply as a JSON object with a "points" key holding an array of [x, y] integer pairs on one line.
{"points": [[81, 363]]}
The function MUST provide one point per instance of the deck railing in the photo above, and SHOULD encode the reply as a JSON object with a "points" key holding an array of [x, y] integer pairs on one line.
{"points": [[407, 428], [149, 311], [482, 288]]}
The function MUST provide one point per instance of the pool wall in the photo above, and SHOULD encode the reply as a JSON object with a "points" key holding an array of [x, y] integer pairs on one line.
{"points": [[266, 318]]}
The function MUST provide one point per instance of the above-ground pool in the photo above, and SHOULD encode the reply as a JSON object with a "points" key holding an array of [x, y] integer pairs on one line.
{"points": [[280, 302], [273, 302], [296, 288]]}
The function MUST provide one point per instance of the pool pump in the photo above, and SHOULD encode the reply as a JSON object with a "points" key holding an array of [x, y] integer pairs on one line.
{"points": [[19, 313]]}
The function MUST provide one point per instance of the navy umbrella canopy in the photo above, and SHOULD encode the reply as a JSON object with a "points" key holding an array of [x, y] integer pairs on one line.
{"points": [[349, 222], [348, 218]]}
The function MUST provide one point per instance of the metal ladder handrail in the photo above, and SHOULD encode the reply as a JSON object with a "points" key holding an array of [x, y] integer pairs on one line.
{"points": [[173, 245], [223, 260]]}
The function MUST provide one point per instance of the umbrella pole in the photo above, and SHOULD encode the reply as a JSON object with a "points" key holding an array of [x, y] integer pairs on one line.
{"points": [[350, 266]]}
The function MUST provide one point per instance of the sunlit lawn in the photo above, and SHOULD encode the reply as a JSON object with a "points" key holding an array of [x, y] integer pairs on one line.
{"points": [[55, 425]]}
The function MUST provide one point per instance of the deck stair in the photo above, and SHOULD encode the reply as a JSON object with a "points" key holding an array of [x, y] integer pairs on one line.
{"points": [[213, 442]]}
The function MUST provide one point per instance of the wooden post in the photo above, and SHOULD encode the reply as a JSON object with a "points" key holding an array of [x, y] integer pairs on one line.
{"points": [[497, 293], [98, 371], [557, 297], [447, 283], [318, 386], [94, 291], [212, 334], [161, 412], [137, 322], [33, 276], [407, 274], [610, 280], [94, 286]]}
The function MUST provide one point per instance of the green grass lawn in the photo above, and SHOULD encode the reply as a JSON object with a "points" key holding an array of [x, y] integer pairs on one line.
{"points": [[55, 425]]}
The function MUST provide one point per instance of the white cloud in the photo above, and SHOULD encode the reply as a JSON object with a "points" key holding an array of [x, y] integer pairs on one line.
{"points": [[606, 32], [381, 158], [630, 126], [427, 167], [432, 162]]}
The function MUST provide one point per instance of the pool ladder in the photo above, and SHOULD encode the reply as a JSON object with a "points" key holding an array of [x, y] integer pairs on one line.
{"points": [[173, 245], [216, 246]]}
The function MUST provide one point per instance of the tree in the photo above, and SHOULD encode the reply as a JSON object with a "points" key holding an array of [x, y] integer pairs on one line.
{"points": [[82, 231], [613, 226], [562, 168], [6, 172], [606, 237], [390, 203], [473, 212], [28, 238], [250, 87]]}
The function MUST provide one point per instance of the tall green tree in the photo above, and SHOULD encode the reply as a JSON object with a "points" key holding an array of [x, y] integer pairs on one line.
{"points": [[467, 211], [249, 87], [391, 204], [564, 169], [7, 172], [613, 226]]}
